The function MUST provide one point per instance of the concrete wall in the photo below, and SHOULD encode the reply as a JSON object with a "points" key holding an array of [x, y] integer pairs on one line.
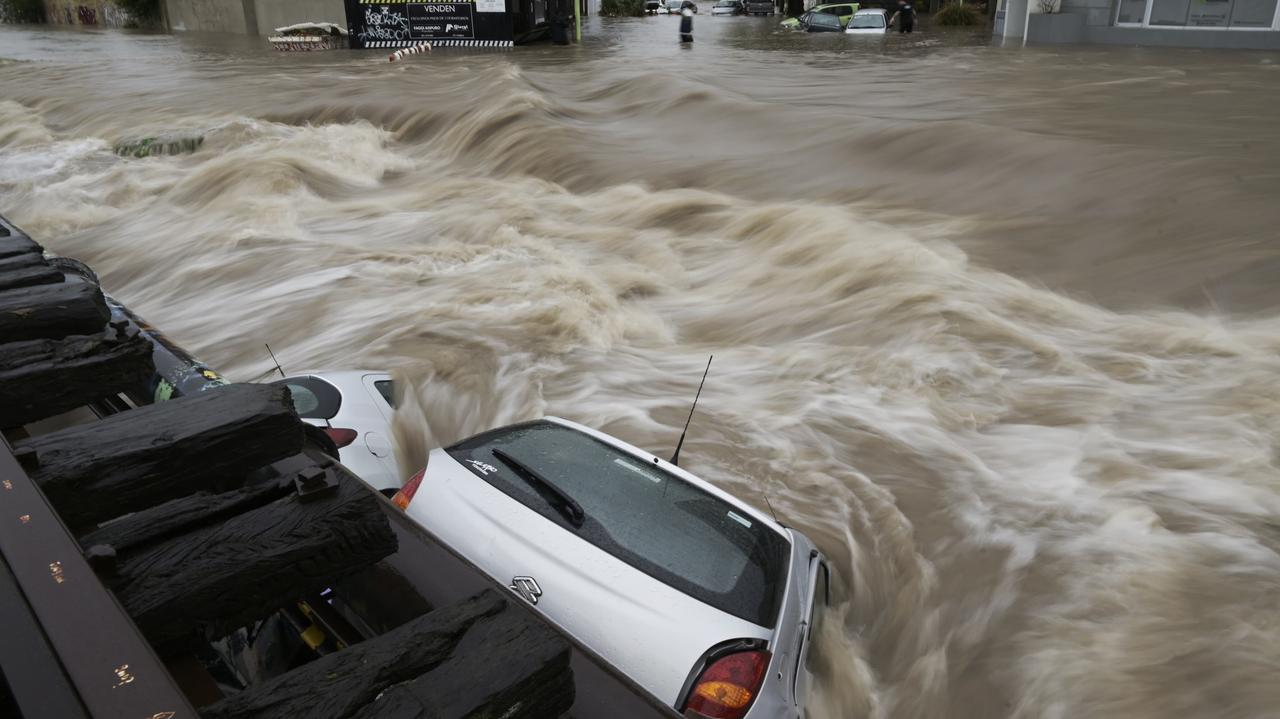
{"points": [[248, 17], [100, 13], [208, 16], [1164, 37], [272, 14], [1055, 29]]}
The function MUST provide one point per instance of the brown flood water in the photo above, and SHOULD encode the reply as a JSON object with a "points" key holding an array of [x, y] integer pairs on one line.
{"points": [[996, 327]]}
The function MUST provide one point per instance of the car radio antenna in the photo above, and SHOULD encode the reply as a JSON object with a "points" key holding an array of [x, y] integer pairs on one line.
{"points": [[675, 458], [273, 359], [765, 493]]}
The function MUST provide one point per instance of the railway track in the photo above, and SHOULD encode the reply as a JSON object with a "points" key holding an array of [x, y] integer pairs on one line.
{"points": [[175, 545]]}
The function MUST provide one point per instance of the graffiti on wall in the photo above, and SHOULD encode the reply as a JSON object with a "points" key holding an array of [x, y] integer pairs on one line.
{"points": [[102, 13], [113, 16]]}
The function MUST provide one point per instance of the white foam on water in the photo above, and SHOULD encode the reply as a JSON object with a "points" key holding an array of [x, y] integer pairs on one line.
{"points": [[1035, 505]]}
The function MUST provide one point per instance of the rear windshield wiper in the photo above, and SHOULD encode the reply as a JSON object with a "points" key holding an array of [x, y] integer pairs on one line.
{"points": [[567, 505]]}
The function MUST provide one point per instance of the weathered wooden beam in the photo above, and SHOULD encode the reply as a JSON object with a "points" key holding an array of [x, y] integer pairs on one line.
{"points": [[511, 666], [17, 245], [343, 685], [52, 311], [182, 515], [29, 276], [44, 377], [227, 574], [136, 459], [19, 261]]}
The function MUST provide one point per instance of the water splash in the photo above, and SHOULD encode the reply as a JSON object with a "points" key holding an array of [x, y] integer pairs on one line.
{"points": [[975, 335]]}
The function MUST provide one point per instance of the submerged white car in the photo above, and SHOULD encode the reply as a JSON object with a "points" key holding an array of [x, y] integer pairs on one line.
{"points": [[702, 600], [868, 22], [354, 408]]}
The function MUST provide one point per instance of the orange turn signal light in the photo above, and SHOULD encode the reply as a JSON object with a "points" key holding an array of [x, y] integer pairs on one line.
{"points": [[730, 695]]}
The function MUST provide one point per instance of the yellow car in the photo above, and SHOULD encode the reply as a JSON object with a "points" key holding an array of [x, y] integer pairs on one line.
{"points": [[844, 11]]}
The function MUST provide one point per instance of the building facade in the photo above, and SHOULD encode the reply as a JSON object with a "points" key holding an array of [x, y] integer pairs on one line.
{"points": [[1243, 24]]}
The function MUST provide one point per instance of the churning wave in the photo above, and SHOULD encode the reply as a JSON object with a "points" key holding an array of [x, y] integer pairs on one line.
{"points": [[1038, 505]]}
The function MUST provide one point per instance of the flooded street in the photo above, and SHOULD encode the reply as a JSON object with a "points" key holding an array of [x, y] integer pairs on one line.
{"points": [[997, 327]]}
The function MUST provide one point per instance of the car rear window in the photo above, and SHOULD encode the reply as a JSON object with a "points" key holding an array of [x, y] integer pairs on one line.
{"points": [[313, 398], [870, 20], [642, 514], [387, 390]]}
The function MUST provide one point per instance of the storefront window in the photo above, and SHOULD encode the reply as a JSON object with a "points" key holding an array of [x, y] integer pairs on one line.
{"points": [[1131, 11], [1253, 13], [1170, 12], [1209, 13]]}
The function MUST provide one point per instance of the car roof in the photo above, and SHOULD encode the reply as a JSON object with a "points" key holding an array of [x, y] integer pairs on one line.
{"points": [[677, 471], [871, 11], [340, 374]]}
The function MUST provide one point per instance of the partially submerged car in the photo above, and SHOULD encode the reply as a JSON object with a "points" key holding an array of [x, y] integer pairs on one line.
{"points": [[729, 7], [844, 11], [674, 7], [814, 21], [701, 599], [868, 22], [759, 7], [354, 408]]}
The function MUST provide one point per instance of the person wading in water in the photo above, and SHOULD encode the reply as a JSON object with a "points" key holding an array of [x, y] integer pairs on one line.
{"points": [[686, 24], [906, 17]]}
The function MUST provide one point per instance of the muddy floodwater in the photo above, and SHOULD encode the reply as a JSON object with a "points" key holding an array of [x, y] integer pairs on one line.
{"points": [[997, 327]]}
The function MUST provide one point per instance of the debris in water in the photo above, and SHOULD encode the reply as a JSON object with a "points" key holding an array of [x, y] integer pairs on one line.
{"points": [[422, 47], [306, 36], [160, 145]]}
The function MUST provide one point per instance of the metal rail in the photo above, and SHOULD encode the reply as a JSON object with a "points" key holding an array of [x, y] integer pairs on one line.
{"points": [[63, 628]]}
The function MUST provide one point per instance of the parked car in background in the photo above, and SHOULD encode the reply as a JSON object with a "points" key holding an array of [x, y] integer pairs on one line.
{"points": [[844, 11], [674, 7], [814, 21], [698, 597], [653, 7], [729, 7], [868, 22], [354, 408], [759, 7]]}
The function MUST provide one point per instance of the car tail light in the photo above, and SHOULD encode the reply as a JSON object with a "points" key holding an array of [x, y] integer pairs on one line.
{"points": [[727, 686], [341, 437], [410, 488]]}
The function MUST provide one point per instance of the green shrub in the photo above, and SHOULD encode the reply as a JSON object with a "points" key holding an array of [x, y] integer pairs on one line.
{"points": [[953, 13], [622, 8], [21, 11]]}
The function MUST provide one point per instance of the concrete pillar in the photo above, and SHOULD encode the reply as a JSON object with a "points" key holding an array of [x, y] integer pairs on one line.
{"points": [[1011, 19], [250, 16]]}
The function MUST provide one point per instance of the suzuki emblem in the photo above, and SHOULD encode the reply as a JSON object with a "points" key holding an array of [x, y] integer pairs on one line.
{"points": [[526, 587]]}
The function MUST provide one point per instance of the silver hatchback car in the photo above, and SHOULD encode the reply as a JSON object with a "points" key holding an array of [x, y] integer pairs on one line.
{"points": [[699, 598]]}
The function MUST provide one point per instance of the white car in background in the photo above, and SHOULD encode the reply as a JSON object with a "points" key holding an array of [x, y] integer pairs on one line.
{"points": [[705, 602], [354, 408], [729, 7], [675, 7], [868, 22]]}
